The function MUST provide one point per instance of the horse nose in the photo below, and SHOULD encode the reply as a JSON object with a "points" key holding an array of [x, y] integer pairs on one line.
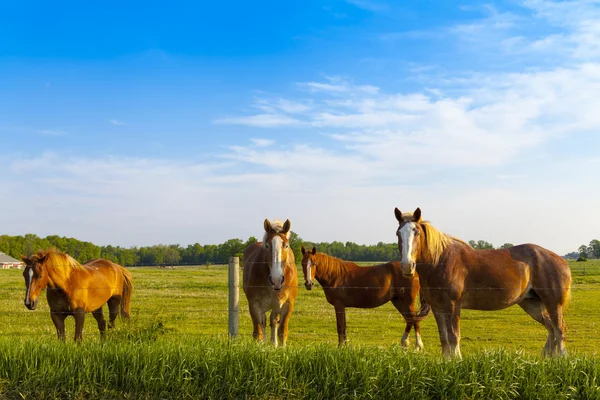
{"points": [[308, 285], [408, 268]]}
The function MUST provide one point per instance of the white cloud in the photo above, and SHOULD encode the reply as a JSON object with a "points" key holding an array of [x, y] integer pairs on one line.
{"points": [[262, 142], [117, 122], [261, 120], [52, 132]]}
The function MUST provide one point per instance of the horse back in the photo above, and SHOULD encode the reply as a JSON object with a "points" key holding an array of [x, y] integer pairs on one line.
{"points": [[98, 281], [548, 269]]}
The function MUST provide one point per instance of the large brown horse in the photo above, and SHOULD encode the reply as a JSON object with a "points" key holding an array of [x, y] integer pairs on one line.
{"points": [[75, 289], [271, 281], [454, 276], [348, 285]]}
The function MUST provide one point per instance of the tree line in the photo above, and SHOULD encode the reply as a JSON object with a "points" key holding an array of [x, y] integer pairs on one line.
{"points": [[197, 254]]}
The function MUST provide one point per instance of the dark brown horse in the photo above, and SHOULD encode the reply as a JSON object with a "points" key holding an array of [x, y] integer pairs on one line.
{"points": [[348, 285], [454, 276], [75, 289], [271, 281]]}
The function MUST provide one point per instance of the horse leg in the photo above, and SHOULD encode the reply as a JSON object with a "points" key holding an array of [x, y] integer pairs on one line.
{"points": [[274, 325], [286, 313], [418, 341], [113, 310], [79, 315], [558, 325], [101, 321], [535, 308], [407, 313], [340, 317], [259, 322], [58, 318], [442, 324], [454, 331]]}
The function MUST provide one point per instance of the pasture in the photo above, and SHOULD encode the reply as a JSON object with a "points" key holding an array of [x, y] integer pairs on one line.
{"points": [[179, 324]]}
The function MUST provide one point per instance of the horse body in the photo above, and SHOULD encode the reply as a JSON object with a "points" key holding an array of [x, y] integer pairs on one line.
{"points": [[348, 285], [263, 291], [454, 276], [75, 289]]}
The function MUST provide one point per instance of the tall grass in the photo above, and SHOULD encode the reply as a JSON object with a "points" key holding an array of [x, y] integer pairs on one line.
{"points": [[242, 369]]}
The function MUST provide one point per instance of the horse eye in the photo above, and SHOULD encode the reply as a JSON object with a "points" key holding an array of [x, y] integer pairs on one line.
{"points": [[417, 233], [287, 246]]}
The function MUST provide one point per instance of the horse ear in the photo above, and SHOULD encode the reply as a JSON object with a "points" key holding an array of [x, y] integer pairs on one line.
{"points": [[314, 250], [398, 214], [267, 226], [417, 215], [303, 250], [25, 259], [286, 226]]}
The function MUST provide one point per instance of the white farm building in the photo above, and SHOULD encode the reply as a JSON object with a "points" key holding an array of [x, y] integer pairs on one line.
{"points": [[7, 261]]}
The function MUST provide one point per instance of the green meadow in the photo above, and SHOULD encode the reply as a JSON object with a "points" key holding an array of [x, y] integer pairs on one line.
{"points": [[176, 346]]}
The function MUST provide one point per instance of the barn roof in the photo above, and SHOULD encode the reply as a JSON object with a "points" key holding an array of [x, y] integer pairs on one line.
{"points": [[4, 258]]}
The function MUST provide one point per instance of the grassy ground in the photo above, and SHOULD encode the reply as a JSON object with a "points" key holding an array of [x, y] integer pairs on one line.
{"points": [[219, 369], [192, 301], [179, 324]]}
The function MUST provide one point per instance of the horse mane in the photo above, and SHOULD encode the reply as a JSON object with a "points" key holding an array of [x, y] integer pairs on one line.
{"points": [[277, 227], [57, 263], [437, 241], [333, 265]]}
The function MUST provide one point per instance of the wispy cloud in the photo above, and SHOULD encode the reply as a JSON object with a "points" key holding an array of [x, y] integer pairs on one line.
{"points": [[369, 5], [116, 122], [52, 132]]}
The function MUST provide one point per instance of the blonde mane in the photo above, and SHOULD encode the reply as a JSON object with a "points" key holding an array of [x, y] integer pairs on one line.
{"points": [[57, 263], [437, 241], [277, 227]]}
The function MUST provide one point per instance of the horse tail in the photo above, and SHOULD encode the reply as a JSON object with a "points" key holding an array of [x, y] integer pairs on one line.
{"points": [[425, 309], [127, 292]]}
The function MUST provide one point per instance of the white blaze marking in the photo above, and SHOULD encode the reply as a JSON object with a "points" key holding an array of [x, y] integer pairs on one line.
{"points": [[308, 270], [27, 302], [276, 263], [407, 235]]}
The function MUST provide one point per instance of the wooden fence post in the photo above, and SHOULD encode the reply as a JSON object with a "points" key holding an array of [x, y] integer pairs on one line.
{"points": [[234, 295]]}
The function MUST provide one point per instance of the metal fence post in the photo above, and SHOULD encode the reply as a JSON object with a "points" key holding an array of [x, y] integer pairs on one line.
{"points": [[234, 295]]}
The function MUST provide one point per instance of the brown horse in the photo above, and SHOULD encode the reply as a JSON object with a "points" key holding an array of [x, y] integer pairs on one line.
{"points": [[271, 281], [348, 285], [75, 289], [454, 276]]}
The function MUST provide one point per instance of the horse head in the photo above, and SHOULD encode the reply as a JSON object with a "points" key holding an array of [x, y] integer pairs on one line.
{"points": [[309, 267], [409, 242], [277, 247], [36, 278]]}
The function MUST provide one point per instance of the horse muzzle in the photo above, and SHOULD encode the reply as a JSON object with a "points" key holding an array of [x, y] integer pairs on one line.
{"points": [[308, 285], [274, 286], [408, 269], [31, 305]]}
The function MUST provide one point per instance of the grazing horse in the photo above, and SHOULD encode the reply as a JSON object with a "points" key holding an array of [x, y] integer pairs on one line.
{"points": [[454, 276], [271, 281], [348, 285], [75, 289]]}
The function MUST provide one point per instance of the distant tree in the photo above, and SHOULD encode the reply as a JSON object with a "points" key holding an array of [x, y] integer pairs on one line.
{"points": [[584, 251], [507, 246], [572, 255], [481, 245], [594, 248]]}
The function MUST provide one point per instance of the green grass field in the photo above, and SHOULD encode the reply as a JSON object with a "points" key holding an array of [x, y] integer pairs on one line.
{"points": [[182, 313]]}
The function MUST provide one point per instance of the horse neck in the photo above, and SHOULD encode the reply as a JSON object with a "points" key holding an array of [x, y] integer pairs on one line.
{"points": [[329, 268], [57, 278]]}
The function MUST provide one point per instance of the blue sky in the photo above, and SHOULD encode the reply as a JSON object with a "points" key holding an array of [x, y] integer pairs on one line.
{"points": [[149, 123]]}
